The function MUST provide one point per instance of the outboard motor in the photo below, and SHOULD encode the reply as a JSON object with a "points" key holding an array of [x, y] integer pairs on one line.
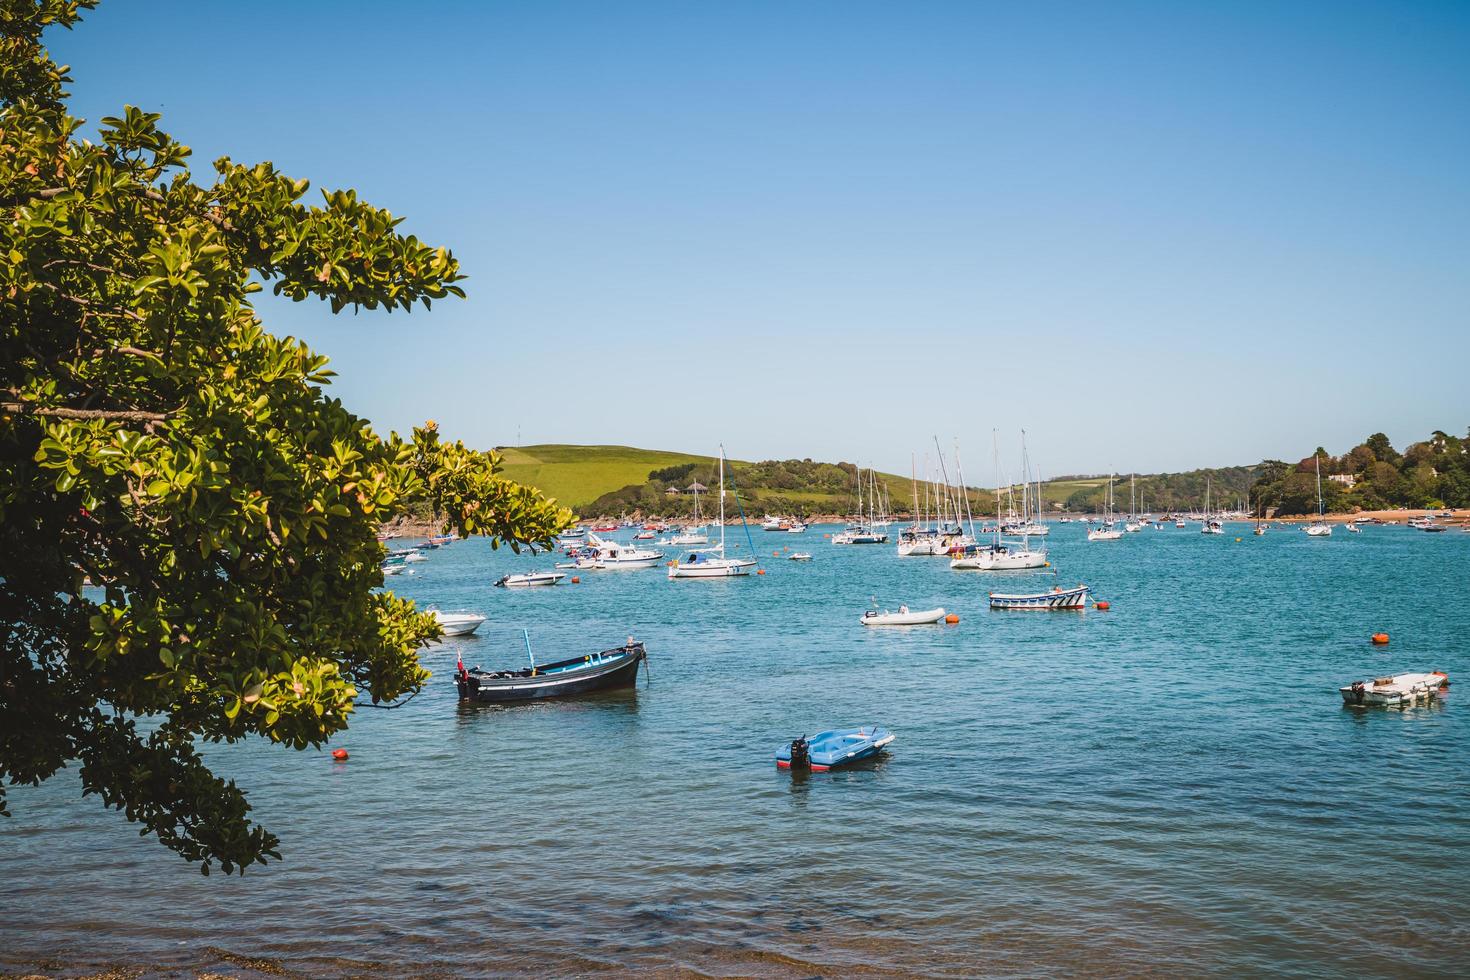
{"points": [[800, 758], [1358, 691]]}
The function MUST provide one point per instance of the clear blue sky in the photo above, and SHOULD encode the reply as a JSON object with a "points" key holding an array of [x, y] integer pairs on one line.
{"points": [[1157, 235]]}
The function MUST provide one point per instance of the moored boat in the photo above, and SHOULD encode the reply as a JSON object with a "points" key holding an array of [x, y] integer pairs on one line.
{"points": [[904, 617], [530, 578], [827, 750], [799, 556], [1056, 599], [607, 670], [457, 623], [1395, 689]]}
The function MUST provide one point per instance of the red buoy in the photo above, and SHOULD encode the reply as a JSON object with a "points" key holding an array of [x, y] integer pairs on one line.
{"points": [[1105, 604], [1379, 639], [340, 755], [576, 580], [951, 619]]}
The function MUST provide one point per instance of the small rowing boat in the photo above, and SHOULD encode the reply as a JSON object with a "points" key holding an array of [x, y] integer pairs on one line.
{"points": [[904, 617], [530, 578], [581, 675], [1056, 599], [1396, 689], [826, 750]]}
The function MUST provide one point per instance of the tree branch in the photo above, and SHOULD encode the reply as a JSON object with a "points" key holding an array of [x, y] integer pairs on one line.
{"points": [[113, 415]]}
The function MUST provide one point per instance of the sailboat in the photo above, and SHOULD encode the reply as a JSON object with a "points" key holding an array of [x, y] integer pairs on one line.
{"points": [[692, 534], [1131, 525], [712, 563], [1209, 525], [1319, 528], [1106, 531], [999, 555]]}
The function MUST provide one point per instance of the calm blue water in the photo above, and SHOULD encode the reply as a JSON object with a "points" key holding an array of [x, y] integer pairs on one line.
{"points": [[1169, 786]]}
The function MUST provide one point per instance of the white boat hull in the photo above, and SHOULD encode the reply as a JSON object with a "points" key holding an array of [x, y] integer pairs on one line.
{"points": [[458, 624], [1104, 535], [1001, 561], [885, 618], [530, 579], [1395, 690], [714, 568], [1057, 599]]}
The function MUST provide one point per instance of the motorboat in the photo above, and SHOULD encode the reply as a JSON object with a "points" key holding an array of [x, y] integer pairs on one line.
{"points": [[457, 623], [1319, 529], [1056, 599], [615, 554], [799, 556], [1395, 689], [1104, 532], [1352, 528], [771, 523], [1212, 526], [904, 617], [827, 750], [797, 527], [530, 578], [617, 668]]}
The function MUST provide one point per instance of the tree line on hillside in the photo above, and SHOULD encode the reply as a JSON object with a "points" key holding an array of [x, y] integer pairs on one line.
{"points": [[1169, 492], [1372, 475]]}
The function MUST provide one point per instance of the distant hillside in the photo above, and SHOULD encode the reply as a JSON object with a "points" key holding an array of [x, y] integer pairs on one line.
{"points": [[611, 480], [597, 480]]}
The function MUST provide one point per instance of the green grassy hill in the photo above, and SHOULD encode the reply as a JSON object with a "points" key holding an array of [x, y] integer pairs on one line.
{"points": [[578, 475]]}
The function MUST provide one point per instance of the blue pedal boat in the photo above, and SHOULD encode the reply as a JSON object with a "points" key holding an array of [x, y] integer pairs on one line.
{"points": [[827, 750]]}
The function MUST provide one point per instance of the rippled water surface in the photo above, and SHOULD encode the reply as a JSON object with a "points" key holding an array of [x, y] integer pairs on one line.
{"points": [[1169, 786]]}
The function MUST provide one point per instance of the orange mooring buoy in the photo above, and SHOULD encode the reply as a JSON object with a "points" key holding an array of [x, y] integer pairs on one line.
{"points": [[1105, 605], [1380, 639], [760, 571], [952, 619], [576, 580], [340, 755]]}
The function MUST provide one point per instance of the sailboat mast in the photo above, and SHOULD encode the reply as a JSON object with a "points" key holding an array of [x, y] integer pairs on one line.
{"points": [[722, 499]]}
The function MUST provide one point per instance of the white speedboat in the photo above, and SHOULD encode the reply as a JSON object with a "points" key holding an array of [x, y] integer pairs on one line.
{"points": [[1319, 529], [690, 536], [1212, 527], [530, 578], [797, 527], [904, 617], [1105, 532], [1395, 689], [458, 623], [798, 556], [771, 523], [1352, 528]]}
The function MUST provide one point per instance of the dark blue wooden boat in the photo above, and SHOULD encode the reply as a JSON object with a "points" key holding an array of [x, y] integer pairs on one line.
{"points": [[595, 672]]}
